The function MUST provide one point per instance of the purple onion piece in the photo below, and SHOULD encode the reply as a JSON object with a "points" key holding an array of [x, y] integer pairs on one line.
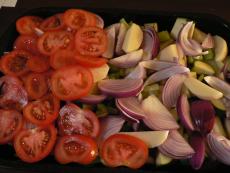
{"points": [[93, 99]]}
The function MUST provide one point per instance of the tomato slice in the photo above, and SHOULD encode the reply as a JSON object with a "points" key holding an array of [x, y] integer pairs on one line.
{"points": [[74, 120], [43, 111], [27, 43], [38, 64], [76, 19], [15, 62], [13, 95], [91, 41], [90, 61], [71, 82], [36, 85], [76, 148], [27, 24], [124, 150], [52, 23], [33, 145], [51, 41], [62, 58], [11, 123]]}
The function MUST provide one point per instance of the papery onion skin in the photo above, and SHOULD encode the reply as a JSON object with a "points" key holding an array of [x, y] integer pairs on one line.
{"points": [[176, 147]]}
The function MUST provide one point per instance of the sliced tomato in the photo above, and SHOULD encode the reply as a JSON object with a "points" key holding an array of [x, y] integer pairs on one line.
{"points": [[38, 64], [74, 120], [33, 145], [27, 43], [76, 148], [11, 123], [13, 95], [27, 24], [76, 18], [43, 111], [91, 41], [124, 150], [36, 85], [89, 61], [71, 82], [15, 62], [51, 41], [54, 22], [62, 58]]}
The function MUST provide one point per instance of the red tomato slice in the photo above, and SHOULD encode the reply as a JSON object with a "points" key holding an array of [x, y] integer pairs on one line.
{"points": [[11, 123], [38, 64], [51, 41], [71, 82], [27, 43], [76, 148], [27, 24], [13, 94], [36, 85], [62, 58], [52, 23], [74, 120], [124, 150], [33, 145], [43, 111], [76, 19], [90, 61], [15, 62], [91, 41]]}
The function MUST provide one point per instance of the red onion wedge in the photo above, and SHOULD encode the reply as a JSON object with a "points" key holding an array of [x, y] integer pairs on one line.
{"points": [[220, 147], [92, 99], [150, 44], [110, 125], [198, 144], [208, 42], [203, 116], [218, 84], [166, 73], [176, 147], [190, 47], [128, 60], [172, 90], [226, 103], [38, 31], [132, 106], [151, 138], [120, 87], [138, 73], [157, 116], [120, 38], [157, 65], [183, 111], [111, 35]]}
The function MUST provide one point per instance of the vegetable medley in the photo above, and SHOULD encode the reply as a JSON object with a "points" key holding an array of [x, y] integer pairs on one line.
{"points": [[80, 91]]}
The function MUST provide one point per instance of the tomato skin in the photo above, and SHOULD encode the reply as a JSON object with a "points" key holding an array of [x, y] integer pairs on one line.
{"points": [[15, 63], [115, 151], [76, 148], [71, 82], [74, 120], [76, 18], [43, 111], [51, 41], [91, 41], [90, 61], [33, 139], [36, 85], [62, 58], [52, 23], [11, 123], [27, 24], [38, 64]]}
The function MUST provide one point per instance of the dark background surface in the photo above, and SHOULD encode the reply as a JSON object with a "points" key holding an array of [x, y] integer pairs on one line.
{"points": [[219, 8]]}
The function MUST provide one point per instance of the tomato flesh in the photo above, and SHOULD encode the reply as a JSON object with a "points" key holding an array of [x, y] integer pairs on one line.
{"points": [[124, 150], [54, 22], [76, 148], [74, 120], [90, 61]]}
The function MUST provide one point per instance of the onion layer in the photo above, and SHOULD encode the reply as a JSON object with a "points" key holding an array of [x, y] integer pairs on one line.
{"points": [[92, 99], [157, 65]]}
